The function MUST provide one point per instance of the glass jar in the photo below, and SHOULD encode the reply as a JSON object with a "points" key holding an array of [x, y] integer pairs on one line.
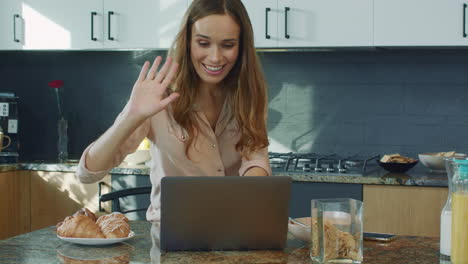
{"points": [[459, 246], [336, 231]]}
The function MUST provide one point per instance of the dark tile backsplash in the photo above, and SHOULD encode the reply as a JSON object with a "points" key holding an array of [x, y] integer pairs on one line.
{"points": [[384, 101]]}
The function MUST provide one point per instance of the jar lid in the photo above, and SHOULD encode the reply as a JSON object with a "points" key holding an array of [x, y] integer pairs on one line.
{"points": [[462, 168]]}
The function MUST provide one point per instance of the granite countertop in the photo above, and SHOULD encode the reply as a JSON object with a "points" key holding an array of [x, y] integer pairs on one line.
{"points": [[418, 176], [42, 246]]}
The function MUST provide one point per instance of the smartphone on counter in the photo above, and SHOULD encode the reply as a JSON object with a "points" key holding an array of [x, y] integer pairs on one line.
{"points": [[381, 237]]}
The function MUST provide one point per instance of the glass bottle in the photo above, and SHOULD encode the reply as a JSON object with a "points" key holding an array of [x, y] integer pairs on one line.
{"points": [[446, 214], [459, 247]]}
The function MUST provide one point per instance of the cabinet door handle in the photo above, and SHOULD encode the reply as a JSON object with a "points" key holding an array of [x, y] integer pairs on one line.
{"points": [[266, 22], [15, 16], [92, 26], [464, 20], [286, 9], [109, 14]]}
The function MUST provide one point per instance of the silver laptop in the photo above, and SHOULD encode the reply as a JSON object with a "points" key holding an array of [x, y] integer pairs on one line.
{"points": [[224, 213]]}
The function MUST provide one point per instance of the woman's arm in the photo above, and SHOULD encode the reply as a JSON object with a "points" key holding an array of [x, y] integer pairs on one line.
{"points": [[101, 155], [256, 171], [257, 164], [147, 99]]}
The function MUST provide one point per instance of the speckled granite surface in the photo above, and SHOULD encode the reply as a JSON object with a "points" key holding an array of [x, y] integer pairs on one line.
{"points": [[415, 177], [42, 246]]}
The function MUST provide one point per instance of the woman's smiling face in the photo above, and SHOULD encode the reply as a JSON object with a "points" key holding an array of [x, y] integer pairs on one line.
{"points": [[214, 47]]}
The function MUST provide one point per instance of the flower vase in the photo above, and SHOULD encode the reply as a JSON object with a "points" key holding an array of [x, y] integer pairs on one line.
{"points": [[62, 144]]}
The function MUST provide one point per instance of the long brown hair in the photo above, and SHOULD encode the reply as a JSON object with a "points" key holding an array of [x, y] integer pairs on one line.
{"points": [[245, 84]]}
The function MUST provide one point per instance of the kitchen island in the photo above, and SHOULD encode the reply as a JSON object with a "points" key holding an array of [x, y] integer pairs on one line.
{"points": [[387, 196], [43, 246]]}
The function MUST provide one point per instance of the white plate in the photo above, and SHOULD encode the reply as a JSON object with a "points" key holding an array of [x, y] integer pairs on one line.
{"points": [[96, 241]]}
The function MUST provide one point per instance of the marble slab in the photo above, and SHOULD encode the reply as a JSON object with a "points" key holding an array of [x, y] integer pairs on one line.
{"points": [[416, 177], [43, 247]]}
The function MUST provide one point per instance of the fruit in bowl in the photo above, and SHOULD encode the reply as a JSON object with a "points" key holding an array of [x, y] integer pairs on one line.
{"points": [[397, 163], [435, 161], [301, 232]]}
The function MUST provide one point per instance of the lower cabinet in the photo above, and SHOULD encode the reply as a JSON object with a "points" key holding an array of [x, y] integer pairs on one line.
{"points": [[31, 200], [15, 203], [55, 195], [403, 210]]}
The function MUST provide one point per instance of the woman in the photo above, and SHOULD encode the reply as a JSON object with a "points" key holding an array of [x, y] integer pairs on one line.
{"points": [[212, 119]]}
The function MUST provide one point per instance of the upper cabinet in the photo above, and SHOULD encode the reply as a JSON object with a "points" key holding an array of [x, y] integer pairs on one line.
{"points": [[11, 25], [63, 24], [153, 24], [96, 24], [143, 23], [305, 23], [420, 23], [264, 18]]}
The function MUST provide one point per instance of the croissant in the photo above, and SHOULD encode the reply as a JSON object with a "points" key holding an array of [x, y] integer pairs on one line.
{"points": [[79, 226], [83, 224], [86, 212], [116, 215], [113, 227]]}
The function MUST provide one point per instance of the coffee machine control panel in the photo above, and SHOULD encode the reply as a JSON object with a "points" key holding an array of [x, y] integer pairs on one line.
{"points": [[4, 109], [9, 137]]}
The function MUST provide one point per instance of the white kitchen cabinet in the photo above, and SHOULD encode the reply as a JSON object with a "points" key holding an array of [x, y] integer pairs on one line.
{"points": [[11, 25], [316, 23], [420, 23], [62, 24], [325, 23], [264, 18], [142, 24], [101, 24]]}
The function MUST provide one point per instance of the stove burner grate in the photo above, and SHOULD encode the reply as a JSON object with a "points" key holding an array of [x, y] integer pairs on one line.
{"points": [[323, 164]]}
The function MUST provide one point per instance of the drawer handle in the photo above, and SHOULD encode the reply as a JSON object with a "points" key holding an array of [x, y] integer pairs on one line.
{"points": [[464, 20], [266, 22], [15, 16], [92, 26], [109, 14], [286, 9]]}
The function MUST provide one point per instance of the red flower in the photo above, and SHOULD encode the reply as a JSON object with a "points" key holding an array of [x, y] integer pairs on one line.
{"points": [[56, 84]]}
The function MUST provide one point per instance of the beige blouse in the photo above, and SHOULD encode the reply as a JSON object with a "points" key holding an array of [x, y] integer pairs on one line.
{"points": [[213, 153]]}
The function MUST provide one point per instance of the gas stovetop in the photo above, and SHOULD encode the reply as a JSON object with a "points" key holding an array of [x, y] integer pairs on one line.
{"points": [[332, 164]]}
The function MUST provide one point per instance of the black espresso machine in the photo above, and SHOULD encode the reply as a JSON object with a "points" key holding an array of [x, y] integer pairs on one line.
{"points": [[9, 127]]}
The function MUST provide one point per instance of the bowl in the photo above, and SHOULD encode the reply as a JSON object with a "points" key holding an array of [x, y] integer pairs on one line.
{"points": [[436, 163], [138, 157], [397, 167], [298, 231]]}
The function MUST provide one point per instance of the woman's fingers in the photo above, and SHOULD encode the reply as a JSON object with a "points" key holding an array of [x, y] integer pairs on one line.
{"points": [[162, 73], [154, 68], [143, 71], [166, 101], [170, 75]]}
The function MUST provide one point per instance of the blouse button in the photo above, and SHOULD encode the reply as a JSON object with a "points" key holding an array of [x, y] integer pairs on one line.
{"points": [[220, 170], [183, 137], [213, 146]]}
